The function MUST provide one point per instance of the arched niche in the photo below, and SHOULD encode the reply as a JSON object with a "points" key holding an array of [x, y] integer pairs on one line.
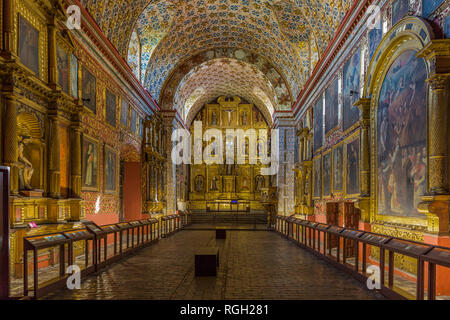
{"points": [[399, 96], [31, 150]]}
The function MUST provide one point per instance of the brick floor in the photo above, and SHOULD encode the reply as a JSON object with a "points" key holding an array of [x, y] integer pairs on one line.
{"points": [[254, 265]]}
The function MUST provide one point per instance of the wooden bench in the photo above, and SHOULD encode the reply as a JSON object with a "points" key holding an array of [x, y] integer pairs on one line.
{"points": [[221, 233], [206, 262]]}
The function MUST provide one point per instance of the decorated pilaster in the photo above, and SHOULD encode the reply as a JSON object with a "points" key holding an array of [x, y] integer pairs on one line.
{"points": [[436, 204], [363, 204], [76, 210], [10, 141]]}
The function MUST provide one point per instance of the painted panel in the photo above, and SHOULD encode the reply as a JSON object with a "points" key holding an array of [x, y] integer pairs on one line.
{"points": [[429, 6], [62, 61], [338, 168], [29, 45], [110, 110], [447, 27], [352, 76], [133, 120], [317, 170], [89, 90], [375, 37], [352, 156], [124, 113], [399, 10], [327, 174], [332, 106], [402, 137], [318, 124], [110, 173], [74, 76], [90, 164]]}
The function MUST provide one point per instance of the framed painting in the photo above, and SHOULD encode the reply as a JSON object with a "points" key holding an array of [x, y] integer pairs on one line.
{"points": [[400, 9], [332, 106], [110, 108], [110, 170], [133, 120], [352, 77], [124, 113], [375, 37], [62, 62], [318, 124], [317, 178], [338, 168], [90, 164], [352, 167], [74, 76], [402, 137], [429, 6], [447, 27], [327, 170], [141, 127], [29, 45], [89, 88]]}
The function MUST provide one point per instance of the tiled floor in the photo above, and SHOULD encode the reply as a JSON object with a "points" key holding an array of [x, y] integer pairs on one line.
{"points": [[254, 265]]}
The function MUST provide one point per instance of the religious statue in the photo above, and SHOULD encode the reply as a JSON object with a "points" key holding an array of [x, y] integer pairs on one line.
{"points": [[214, 186], [245, 183], [25, 166], [244, 118], [260, 182]]}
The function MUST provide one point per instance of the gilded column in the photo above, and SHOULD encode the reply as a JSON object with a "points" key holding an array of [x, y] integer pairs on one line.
{"points": [[363, 203], [10, 141], [75, 174], [8, 25], [52, 64], [54, 159]]}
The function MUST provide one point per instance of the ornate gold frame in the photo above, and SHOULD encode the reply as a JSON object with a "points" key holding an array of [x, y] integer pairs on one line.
{"points": [[350, 139], [411, 33]]}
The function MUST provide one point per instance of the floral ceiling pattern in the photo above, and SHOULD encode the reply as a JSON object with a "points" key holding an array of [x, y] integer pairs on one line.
{"points": [[158, 36]]}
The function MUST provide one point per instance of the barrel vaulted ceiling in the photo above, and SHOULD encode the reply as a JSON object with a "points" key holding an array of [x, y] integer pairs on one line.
{"points": [[164, 40]]}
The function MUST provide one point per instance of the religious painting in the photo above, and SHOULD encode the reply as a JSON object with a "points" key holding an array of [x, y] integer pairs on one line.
{"points": [[327, 166], [402, 136], [29, 45], [74, 76], [352, 167], [338, 168], [429, 6], [447, 27], [317, 170], [89, 88], [141, 127], [399, 10], [375, 37], [124, 113], [90, 164], [332, 106], [110, 109], [214, 116], [110, 174], [133, 120], [62, 61], [352, 76], [258, 116], [318, 124]]}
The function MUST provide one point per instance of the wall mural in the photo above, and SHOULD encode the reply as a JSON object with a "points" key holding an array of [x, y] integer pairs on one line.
{"points": [[338, 168], [352, 76], [402, 137], [318, 124], [74, 76], [90, 164], [110, 110], [352, 156], [399, 9], [327, 174], [429, 6], [332, 106], [62, 60], [375, 36], [29, 45], [89, 90], [317, 177], [110, 170]]}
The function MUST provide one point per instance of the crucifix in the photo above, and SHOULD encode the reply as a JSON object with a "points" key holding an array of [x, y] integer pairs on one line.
{"points": [[229, 111]]}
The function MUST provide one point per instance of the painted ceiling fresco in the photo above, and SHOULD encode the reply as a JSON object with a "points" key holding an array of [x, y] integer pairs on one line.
{"points": [[224, 77], [158, 36]]}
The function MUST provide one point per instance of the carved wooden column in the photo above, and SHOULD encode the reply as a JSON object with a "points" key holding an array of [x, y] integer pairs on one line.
{"points": [[436, 204], [10, 141], [54, 188], [8, 25], [75, 172], [363, 203]]}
